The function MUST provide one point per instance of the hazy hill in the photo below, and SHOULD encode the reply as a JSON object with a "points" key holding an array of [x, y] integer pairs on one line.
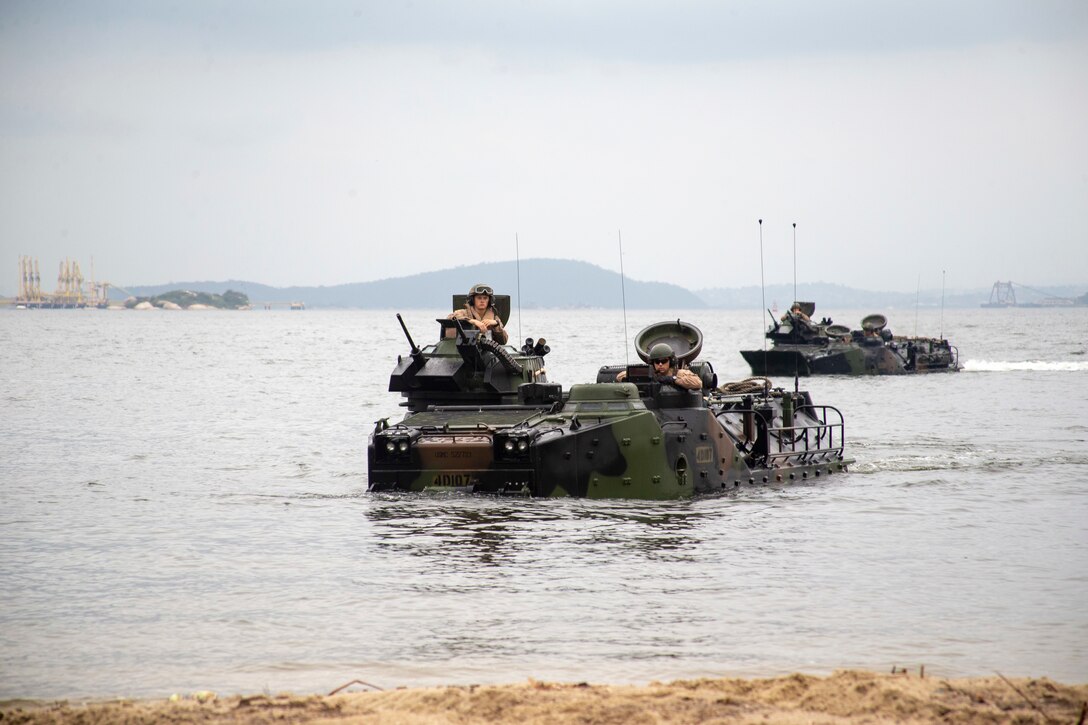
{"points": [[559, 283], [544, 283]]}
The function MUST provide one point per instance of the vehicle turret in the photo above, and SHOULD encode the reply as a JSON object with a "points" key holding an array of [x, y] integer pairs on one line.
{"points": [[466, 367]]}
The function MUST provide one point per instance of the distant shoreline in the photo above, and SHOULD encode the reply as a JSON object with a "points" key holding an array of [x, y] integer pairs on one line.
{"points": [[538, 281], [10, 304]]}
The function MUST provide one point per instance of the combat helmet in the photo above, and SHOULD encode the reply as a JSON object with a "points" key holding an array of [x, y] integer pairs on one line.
{"points": [[662, 351], [481, 289]]}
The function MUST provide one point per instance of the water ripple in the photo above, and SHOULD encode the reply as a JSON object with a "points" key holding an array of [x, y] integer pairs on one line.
{"points": [[200, 519]]}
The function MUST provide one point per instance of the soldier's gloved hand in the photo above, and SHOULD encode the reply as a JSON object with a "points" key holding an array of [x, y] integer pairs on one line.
{"points": [[666, 379]]}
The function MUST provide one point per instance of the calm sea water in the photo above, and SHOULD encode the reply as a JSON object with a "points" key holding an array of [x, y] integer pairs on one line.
{"points": [[184, 507]]}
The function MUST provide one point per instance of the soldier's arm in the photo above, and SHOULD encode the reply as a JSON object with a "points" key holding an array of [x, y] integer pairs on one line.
{"points": [[687, 379]]}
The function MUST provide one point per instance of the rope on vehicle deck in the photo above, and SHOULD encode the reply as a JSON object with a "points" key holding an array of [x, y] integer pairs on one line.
{"points": [[748, 385]]}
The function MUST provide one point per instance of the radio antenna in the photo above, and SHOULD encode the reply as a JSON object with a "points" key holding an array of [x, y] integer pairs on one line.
{"points": [[763, 293], [517, 256], [623, 297], [942, 304], [795, 261], [796, 360], [917, 294]]}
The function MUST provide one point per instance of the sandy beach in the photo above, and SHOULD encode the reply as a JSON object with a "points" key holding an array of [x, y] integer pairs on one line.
{"points": [[846, 696]]}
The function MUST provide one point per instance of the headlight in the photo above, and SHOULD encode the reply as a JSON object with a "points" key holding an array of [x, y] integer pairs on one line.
{"points": [[397, 447], [513, 447]]}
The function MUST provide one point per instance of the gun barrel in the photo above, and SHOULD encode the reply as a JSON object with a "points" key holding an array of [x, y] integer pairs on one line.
{"points": [[412, 343]]}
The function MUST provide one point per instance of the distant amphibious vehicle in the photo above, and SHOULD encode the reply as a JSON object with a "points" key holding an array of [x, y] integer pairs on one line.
{"points": [[483, 418], [802, 347]]}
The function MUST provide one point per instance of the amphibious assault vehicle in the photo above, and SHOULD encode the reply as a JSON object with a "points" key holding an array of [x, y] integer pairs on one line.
{"points": [[802, 347], [483, 418]]}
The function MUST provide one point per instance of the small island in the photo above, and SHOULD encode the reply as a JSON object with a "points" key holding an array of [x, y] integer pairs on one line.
{"points": [[189, 300]]}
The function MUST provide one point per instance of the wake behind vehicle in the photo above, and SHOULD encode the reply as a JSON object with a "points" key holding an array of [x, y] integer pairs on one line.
{"points": [[484, 419], [802, 347]]}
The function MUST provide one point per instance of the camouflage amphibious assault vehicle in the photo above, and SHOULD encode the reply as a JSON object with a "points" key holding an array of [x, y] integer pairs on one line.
{"points": [[484, 419], [802, 347]]}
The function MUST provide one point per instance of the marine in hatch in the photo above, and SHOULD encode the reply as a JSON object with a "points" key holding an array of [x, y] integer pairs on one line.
{"points": [[481, 313]]}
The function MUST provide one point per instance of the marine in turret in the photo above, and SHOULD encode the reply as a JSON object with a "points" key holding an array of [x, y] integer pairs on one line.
{"points": [[480, 312], [666, 370]]}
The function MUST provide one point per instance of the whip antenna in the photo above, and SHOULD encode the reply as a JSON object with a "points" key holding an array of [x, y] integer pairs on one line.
{"points": [[917, 294], [517, 256], [763, 293], [795, 261], [623, 297], [796, 359], [942, 304]]}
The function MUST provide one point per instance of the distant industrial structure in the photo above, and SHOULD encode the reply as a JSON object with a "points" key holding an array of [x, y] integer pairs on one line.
{"points": [[269, 305], [69, 293], [1003, 294]]}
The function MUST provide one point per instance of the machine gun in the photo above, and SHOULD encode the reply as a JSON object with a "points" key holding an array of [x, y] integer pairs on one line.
{"points": [[416, 353]]}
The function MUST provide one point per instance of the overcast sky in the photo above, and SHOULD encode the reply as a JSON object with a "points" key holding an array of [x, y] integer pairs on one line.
{"points": [[294, 143]]}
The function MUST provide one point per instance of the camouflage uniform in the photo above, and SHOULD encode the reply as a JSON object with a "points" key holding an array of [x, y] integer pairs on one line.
{"points": [[683, 378], [469, 312]]}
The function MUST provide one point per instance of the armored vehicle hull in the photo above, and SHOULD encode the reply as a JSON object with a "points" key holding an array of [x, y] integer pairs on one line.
{"points": [[613, 440], [800, 347], [897, 357], [634, 439]]}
